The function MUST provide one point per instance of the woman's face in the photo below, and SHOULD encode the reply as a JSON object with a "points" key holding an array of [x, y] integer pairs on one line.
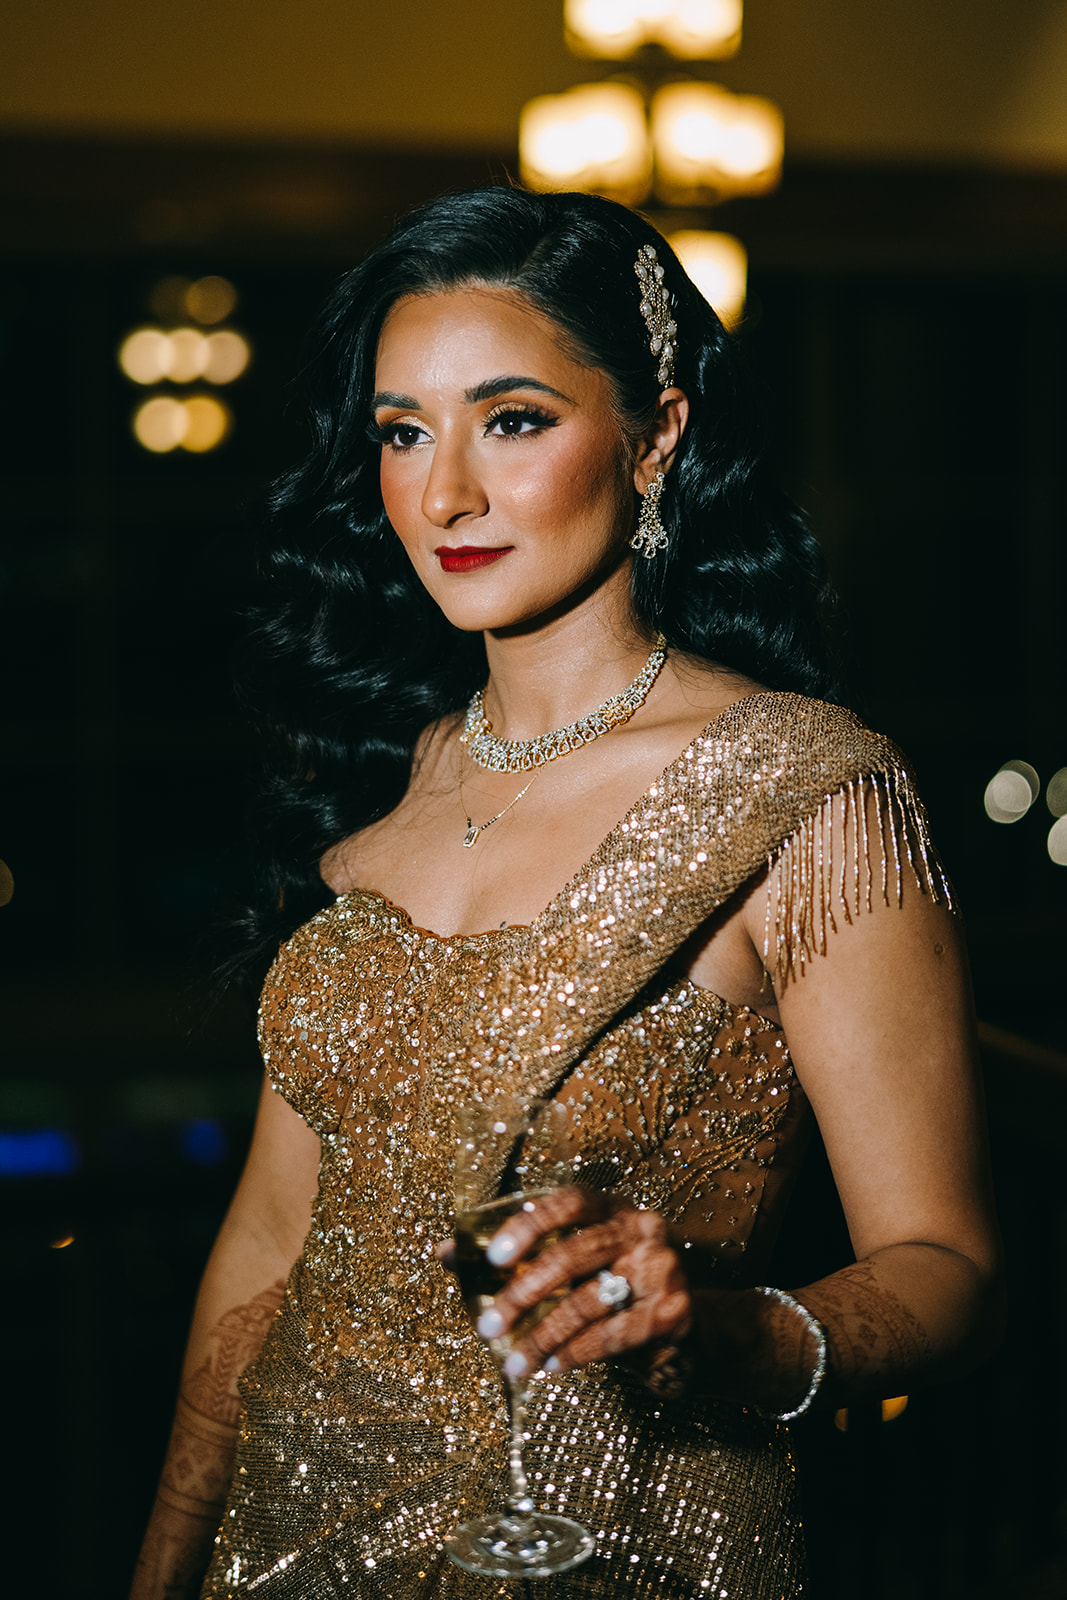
{"points": [[504, 470]]}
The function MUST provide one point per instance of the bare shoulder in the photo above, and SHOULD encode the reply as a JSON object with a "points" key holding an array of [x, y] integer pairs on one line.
{"points": [[703, 691]]}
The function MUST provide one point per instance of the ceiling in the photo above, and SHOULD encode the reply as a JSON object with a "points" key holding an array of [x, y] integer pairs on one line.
{"points": [[974, 82]]}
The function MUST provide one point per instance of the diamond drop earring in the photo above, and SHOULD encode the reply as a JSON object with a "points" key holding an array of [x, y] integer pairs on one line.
{"points": [[650, 536]]}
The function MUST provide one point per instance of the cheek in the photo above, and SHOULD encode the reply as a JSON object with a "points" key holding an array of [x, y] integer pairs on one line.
{"points": [[398, 498], [590, 488]]}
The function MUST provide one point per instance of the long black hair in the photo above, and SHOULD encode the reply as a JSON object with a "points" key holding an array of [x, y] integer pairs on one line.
{"points": [[348, 659]]}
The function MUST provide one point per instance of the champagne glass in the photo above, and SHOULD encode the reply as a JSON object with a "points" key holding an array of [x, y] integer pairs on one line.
{"points": [[511, 1151]]}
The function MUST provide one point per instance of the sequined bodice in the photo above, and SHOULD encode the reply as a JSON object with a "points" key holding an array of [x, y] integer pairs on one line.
{"points": [[679, 1105]]}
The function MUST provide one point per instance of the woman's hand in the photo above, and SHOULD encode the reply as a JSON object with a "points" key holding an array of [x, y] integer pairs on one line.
{"points": [[604, 1234]]}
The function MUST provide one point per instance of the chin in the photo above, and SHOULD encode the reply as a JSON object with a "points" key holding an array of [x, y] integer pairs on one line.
{"points": [[484, 611], [490, 619]]}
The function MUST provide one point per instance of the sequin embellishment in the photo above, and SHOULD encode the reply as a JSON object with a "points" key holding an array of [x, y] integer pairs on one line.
{"points": [[373, 1418]]}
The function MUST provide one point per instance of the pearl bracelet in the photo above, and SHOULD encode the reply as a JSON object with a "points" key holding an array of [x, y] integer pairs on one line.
{"points": [[818, 1333]]}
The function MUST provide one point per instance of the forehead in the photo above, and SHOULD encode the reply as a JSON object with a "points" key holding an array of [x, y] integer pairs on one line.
{"points": [[476, 332]]}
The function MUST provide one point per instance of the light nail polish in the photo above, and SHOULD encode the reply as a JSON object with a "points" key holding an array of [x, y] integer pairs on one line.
{"points": [[490, 1323], [516, 1365], [500, 1250]]}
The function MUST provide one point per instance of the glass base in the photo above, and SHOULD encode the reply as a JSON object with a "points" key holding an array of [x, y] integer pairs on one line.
{"points": [[509, 1545]]}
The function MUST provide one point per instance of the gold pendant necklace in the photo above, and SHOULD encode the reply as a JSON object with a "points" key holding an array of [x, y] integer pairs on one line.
{"points": [[476, 829], [520, 755]]}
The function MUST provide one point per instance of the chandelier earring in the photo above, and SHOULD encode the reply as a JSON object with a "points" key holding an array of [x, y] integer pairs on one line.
{"points": [[650, 536]]}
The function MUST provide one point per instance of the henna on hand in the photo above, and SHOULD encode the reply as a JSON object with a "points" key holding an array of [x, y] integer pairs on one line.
{"points": [[613, 1234]]}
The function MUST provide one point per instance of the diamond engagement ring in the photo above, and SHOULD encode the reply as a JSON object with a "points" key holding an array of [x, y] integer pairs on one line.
{"points": [[613, 1290]]}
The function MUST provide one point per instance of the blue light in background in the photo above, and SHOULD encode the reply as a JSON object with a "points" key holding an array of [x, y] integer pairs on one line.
{"points": [[202, 1141], [38, 1153]]}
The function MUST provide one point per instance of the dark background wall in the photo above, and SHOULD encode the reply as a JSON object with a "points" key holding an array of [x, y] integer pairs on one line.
{"points": [[908, 323]]}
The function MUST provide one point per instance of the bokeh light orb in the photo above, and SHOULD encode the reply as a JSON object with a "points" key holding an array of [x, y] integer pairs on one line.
{"points": [[1056, 793], [207, 422], [1011, 792], [1057, 842], [189, 353], [228, 355], [160, 424], [145, 355], [210, 300]]}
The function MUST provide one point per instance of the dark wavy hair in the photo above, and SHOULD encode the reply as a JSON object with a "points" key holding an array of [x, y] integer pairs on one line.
{"points": [[348, 659]]}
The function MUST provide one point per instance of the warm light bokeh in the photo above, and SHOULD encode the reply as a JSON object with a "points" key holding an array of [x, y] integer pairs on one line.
{"points": [[144, 355], [228, 355], [709, 142], [692, 30], [594, 138], [210, 300], [207, 422], [718, 265], [152, 355], [160, 424]]}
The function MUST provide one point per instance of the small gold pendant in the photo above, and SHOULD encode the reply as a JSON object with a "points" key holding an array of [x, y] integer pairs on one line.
{"points": [[471, 835]]}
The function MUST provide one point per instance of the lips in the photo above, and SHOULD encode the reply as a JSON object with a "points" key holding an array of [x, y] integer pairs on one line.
{"points": [[466, 557]]}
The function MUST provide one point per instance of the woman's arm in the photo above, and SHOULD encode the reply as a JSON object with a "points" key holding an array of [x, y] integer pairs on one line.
{"points": [[242, 1288], [881, 1032], [882, 1035]]}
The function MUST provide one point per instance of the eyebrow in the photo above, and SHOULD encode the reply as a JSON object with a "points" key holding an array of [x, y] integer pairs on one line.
{"points": [[494, 386], [488, 390]]}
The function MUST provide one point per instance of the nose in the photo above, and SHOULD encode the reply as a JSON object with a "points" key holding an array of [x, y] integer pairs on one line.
{"points": [[453, 487]]}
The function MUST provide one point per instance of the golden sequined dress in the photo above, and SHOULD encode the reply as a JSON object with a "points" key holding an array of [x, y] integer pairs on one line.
{"points": [[373, 1418]]}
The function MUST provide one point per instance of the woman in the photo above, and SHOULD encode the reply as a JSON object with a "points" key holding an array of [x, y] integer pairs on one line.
{"points": [[533, 504]]}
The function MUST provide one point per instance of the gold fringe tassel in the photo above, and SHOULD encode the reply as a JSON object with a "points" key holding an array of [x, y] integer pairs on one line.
{"points": [[801, 914]]}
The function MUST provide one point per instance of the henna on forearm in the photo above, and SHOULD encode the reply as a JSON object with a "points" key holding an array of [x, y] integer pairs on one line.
{"points": [[196, 1472], [760, 1352], [211, 1391], [873, 1337]]}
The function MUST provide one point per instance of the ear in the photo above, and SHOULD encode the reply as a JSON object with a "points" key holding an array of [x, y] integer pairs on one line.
{"points": [[657, 449]]}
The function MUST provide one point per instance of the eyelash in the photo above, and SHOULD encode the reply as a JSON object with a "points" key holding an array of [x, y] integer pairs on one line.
{"points": [[528, 413], [385, 433]]}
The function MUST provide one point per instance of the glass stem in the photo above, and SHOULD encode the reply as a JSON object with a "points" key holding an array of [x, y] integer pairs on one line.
{"points": [[519, 1500]]}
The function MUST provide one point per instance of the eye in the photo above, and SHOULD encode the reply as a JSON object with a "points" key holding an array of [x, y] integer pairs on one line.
{"points": [[399, 436], [512, 421]]}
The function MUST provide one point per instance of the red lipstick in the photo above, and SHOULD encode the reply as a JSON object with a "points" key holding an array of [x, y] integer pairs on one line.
{"points": [[465, 557]]}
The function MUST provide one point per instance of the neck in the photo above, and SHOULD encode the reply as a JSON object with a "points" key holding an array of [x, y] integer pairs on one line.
{"points": [[547, 677]]}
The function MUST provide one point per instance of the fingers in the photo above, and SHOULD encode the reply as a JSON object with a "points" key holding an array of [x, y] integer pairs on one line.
{"points": [[572, 1259], [582, 1327], [559, 1209], [657, 1320]]}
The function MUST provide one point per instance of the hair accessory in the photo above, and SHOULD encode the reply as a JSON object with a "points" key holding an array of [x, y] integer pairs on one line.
{"points": [[476, 829], [650, 535], [656, 310], [818, 1333], [520, 755], [613, 1290]]}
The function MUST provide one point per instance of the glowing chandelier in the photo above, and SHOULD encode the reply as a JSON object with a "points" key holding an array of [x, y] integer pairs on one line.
{"points": [[684, 141]]}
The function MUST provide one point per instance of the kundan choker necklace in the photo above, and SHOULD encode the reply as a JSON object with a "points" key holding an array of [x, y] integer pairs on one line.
{"points": [[523, 755]]}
